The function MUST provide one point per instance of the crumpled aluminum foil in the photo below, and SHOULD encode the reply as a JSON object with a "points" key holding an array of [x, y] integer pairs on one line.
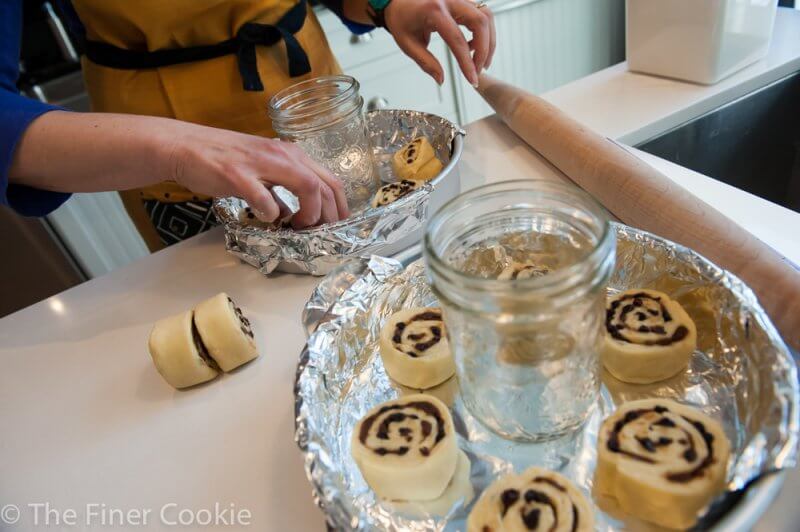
{"points": [[742, 374], [320, 249]]}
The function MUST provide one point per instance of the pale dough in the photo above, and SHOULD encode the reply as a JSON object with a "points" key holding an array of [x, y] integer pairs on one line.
{"points": [[414, 348], [394, 191], [225, 332], [178, 352], [416, 161], [406, 448], [536, 499], [648, 336], [459, 492], [661, 461]]}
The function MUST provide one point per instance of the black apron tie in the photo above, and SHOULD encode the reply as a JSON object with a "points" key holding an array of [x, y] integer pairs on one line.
{"points": [[249, 36]]}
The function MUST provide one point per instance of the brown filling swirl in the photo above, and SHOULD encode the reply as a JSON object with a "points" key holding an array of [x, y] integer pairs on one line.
{"points": [[419, 333], [655, 431], [394, 191], [534, 505], [399, 428], [644, 314], [202, 350], [244, 323]]}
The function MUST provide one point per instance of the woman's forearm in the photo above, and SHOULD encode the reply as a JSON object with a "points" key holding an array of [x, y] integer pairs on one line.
{"points": [[92, 152]]}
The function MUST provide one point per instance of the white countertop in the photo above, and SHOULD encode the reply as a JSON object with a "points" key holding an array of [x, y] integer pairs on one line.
{"points": [[86, 420]]}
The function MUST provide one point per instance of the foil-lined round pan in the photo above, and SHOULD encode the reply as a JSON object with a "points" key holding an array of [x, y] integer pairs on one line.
{"points": [[320, 249], [742, 374]]}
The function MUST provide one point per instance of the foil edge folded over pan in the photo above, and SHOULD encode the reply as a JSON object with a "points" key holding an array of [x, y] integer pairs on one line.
{"points": [[747, 367]]}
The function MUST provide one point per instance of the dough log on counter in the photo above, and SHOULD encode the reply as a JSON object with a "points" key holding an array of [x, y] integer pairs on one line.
{"points": [[178, 352], [225, 331]]}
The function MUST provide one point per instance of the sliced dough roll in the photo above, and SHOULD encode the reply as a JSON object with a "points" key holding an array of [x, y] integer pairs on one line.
{"points": [[459, 491], [406, 448], [225, 332], [416, 161], [537, 499], [394, 191], [648, 337], [178, 352], [661, 461], [518, 270], [414, 348]]}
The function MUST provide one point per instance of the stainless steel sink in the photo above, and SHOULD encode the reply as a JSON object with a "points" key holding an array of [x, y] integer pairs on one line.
{"points": [[752, 143]]}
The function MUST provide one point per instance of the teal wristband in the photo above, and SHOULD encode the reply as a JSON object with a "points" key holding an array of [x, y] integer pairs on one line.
{"points": [[376, 9], [378, 4]]}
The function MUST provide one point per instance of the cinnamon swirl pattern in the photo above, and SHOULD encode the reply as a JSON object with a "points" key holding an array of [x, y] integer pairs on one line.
{"points": [[648, 336], [225, 331], [406, 448], [661, 461], [517, 270], [394, 191], [414, 348], [537, 499]]}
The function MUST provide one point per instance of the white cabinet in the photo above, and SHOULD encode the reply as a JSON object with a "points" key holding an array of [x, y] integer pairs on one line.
{"points": [[390, 79], [541, 44]]}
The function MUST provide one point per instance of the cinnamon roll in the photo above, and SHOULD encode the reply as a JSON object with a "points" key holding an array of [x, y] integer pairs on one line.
{"points": [[414, 348], [178, 352], [519, 270], [225, 331], [661, 461], [537, 499], [406, 448], [458, 491], [648, 336], [416, 161], [394, 191]]}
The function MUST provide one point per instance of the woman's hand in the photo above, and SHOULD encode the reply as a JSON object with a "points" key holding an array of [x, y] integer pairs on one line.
{"points": [[91, 152], [223, 163], [411, 22]]}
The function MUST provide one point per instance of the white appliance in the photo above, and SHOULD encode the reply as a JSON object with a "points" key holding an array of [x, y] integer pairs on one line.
{"points": [[702, 41]]}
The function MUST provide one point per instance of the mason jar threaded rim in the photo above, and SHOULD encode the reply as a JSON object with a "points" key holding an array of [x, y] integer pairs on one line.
{"points": [[591, 269], [314, 104]]}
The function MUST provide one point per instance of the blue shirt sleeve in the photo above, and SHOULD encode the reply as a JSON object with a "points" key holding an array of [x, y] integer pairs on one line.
{"points": [[16, 114], [355, 27]]}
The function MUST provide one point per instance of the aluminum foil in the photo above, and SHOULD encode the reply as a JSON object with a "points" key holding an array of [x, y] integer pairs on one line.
{"points": [[320, 249], [742, 374]]}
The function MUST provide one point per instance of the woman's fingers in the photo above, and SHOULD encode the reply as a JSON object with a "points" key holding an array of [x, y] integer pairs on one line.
{"points": [[259, 198], [329, 212], [418, 51], [447, 27], [336, 187], [466, 13], [492, 35]]}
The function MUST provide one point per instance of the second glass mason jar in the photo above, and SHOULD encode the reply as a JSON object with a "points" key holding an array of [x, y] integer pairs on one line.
{"points": [[520, 269], [325, 117]]}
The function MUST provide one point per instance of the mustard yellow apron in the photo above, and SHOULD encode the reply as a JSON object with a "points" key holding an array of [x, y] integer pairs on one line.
{"points": [[208, 92]]}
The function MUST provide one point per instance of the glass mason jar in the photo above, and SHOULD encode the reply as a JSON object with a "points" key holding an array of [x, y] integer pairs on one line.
{"points": [[520, 269], [325, 117]]}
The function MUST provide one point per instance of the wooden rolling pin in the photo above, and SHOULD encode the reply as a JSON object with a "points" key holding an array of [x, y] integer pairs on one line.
{"points": [[642, 197]]}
